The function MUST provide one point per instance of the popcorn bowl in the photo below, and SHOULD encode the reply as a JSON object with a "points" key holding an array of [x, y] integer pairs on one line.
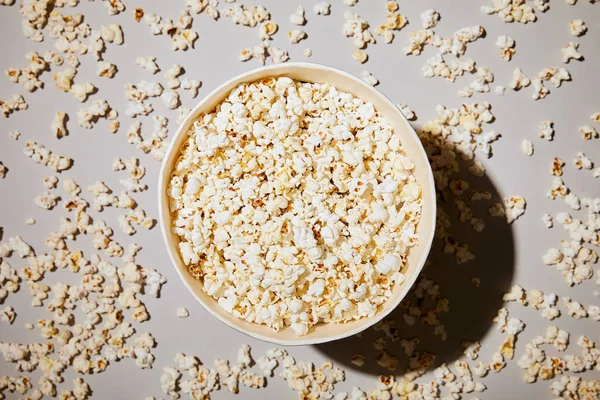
{"points": [[307, 72]]}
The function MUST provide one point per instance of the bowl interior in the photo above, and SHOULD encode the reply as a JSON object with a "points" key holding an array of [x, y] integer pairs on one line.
{"points": [[413, 148]]}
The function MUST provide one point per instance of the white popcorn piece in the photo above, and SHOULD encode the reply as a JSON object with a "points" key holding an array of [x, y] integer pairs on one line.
{"points": [[192, 85], [106, 69], [369, 78], [499, 90], [577, 27], [88, 116], [323, 8], [64, 78], [430, 18], [112, 34], [14, 135], [546, 130], [59, 125], [360, 56], [148, 63], [507, 46], [7, 314], [171, 75], [43, 156], [514, 207], [519, 80], [171, 98], [307, 52], [512, 11], [547, 220], [30, 221], [582, 161], [297, 18], [266, 30], [407, 111], [527, 147], [182, 312], [569, 52], [588, 132], [82, 91], [539, 90], [50, 182], [296, 35]]}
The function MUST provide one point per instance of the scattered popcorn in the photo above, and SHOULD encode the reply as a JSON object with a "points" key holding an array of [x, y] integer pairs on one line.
{"points": [[514, 208], [546, 130], [547, 220], [577, 27], [43, 156], [148, 63], [298, 18], [369, 78], [59, 125], [527, 147], [323, 8], [106, 69], [430, 18], [582, 161], [296, 36], [569, 52], [507, 46], [182, 313], [589, 132]]}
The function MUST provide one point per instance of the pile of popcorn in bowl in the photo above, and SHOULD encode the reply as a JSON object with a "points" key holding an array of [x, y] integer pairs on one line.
{"points": [[294, 204]]}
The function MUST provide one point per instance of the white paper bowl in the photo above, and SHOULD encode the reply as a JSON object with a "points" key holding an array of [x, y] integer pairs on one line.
{"points": [[345, 82]]}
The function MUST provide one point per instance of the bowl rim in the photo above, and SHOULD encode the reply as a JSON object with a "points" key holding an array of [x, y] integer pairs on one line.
{"points": [[163, 204]]}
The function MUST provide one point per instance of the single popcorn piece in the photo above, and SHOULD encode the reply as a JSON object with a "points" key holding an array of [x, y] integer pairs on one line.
{"points": [[172, 74], [577, 27], [582, 161], [539, 90], [369, 78], [430, 18], [298, 18], [47, 201], [8, 315], [106, 69], [547, 220], [589, 132], [519, 80], [82, 91], [360, 56], [296, 36], [499, 90], [507, 46], [182, 312], [171, 98], [527, 147], [148, 63], [512, 11], [514, 208], [408, 112], [546, 130], [290, 146], [307, 52], [50, 182], [59, 125], [64, 78], [569, 52], [323, 8]]}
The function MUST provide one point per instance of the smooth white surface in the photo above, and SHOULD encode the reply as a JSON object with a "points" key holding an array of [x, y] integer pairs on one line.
{"points": [[215, 60]]}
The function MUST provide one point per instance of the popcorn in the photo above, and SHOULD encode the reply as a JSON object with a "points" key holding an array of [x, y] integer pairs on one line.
{"points": [[369, 78], [303, 246], [148, 63], [408, 113], [546, 130], [106, 69], [507, 45], [58, 126], [357, 28], [112, 34], [547, 220], [7, 314], [511, 11], [81, 92], [297, 18], [296, 36], [360, 56], [514, 208], [307, 52], [429, 18], [43, 156], [577, 27], [589, 132], [171, 98], [64, 78], [582, 161], [323, 8], [266, 30], [527, 147], [519, 80], [182, 313], [569, 52]]}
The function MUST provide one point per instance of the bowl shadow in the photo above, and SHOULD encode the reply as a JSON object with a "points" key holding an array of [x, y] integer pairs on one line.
{"points": [[412, 331]]}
